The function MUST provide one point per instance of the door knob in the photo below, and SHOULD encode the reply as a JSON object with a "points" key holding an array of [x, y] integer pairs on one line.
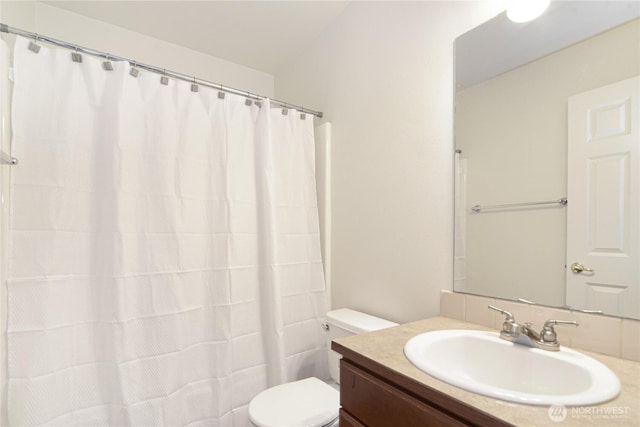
{"points": [[577, 267]]}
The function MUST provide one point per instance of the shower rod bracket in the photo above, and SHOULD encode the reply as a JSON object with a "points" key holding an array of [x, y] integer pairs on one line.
{"points": [[7, 159]]}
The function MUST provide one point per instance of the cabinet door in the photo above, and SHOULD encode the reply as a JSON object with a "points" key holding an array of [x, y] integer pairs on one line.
{"points": [[347, 420], [376, 403]]}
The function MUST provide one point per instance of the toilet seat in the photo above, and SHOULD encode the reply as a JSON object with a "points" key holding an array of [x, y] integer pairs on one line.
{"points": [[309, 402]]}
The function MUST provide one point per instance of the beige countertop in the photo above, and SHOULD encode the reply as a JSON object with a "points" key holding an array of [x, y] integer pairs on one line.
{"points": [[385, 347]]}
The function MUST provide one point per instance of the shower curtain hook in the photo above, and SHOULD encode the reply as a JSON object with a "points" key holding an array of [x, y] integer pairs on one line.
{"points": [[106, 65], [248, 101], [194, 86], [164, 79], [75, 56], [285, 110], [221, 94], [134, 71], [33, 45]]}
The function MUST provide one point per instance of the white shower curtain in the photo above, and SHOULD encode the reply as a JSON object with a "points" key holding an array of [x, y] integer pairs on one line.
{"points": [[460, 224], [164, 258]]}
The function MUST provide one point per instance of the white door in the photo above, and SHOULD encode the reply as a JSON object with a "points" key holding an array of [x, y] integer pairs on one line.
{"points": [[603, 230]]}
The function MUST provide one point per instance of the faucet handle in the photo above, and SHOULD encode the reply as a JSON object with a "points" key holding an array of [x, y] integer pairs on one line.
{"points": [[510, 328], [548, 334], [508, 315]]}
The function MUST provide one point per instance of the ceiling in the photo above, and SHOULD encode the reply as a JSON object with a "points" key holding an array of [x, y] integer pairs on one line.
{"points": [[262, 35]]}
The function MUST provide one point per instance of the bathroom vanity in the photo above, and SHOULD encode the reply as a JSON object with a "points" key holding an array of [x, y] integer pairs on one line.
{"points": [[380, 387], [377, 397]]}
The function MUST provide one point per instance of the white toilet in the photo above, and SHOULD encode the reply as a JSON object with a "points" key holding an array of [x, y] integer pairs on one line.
{"points": [[312, 402]]}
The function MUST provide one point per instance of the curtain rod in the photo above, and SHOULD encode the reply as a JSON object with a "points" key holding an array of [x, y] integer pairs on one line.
{"points": [[180, 76]]}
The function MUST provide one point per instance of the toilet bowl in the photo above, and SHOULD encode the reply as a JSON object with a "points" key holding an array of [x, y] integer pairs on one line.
{"points": [[309, 402], [312, 402]]}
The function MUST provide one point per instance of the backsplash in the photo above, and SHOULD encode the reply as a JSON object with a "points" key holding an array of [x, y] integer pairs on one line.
{"points": [[601, 334]]}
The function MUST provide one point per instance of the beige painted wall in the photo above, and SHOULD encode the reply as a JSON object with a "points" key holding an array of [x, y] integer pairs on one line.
{"points": [[383, 76], [512, 130], [63, 25]]}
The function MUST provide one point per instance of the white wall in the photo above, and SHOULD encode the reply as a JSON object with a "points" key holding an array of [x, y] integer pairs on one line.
{"points": [[383, 76]]}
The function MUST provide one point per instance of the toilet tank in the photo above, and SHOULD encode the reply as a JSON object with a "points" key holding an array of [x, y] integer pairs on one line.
{"points": [[344, 322]]}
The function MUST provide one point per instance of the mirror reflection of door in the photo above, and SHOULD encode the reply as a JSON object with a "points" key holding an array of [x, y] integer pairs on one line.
{"points": [[511, 127], [603, 219]]}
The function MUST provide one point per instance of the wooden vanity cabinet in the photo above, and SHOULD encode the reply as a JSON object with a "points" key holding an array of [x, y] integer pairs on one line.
{"points": [[376, 396]]}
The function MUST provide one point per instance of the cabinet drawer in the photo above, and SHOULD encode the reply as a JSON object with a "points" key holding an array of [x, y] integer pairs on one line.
{"points": [[376, 403]]}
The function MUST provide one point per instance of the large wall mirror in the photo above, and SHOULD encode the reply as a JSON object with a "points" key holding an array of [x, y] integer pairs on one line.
{"points": [[547, 158]]}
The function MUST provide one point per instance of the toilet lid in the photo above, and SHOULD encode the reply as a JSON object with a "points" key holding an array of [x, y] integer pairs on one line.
{"points": [[309, 403]]}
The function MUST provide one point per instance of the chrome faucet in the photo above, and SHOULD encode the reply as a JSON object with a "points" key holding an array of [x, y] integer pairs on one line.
{"points": [[547, 339]]}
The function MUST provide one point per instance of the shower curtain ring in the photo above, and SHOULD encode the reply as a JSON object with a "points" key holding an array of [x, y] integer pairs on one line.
{"points": [[134, 71], [106, 65], [194, 86], [164, 79], [33, 45], [75, 56], [248, 101]]}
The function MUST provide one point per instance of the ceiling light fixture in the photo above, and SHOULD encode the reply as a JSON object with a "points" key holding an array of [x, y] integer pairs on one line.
{"points": [[526, 10]]}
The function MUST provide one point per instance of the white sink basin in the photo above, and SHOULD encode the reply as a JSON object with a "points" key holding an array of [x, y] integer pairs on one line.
{"points": [[483, 363]]}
